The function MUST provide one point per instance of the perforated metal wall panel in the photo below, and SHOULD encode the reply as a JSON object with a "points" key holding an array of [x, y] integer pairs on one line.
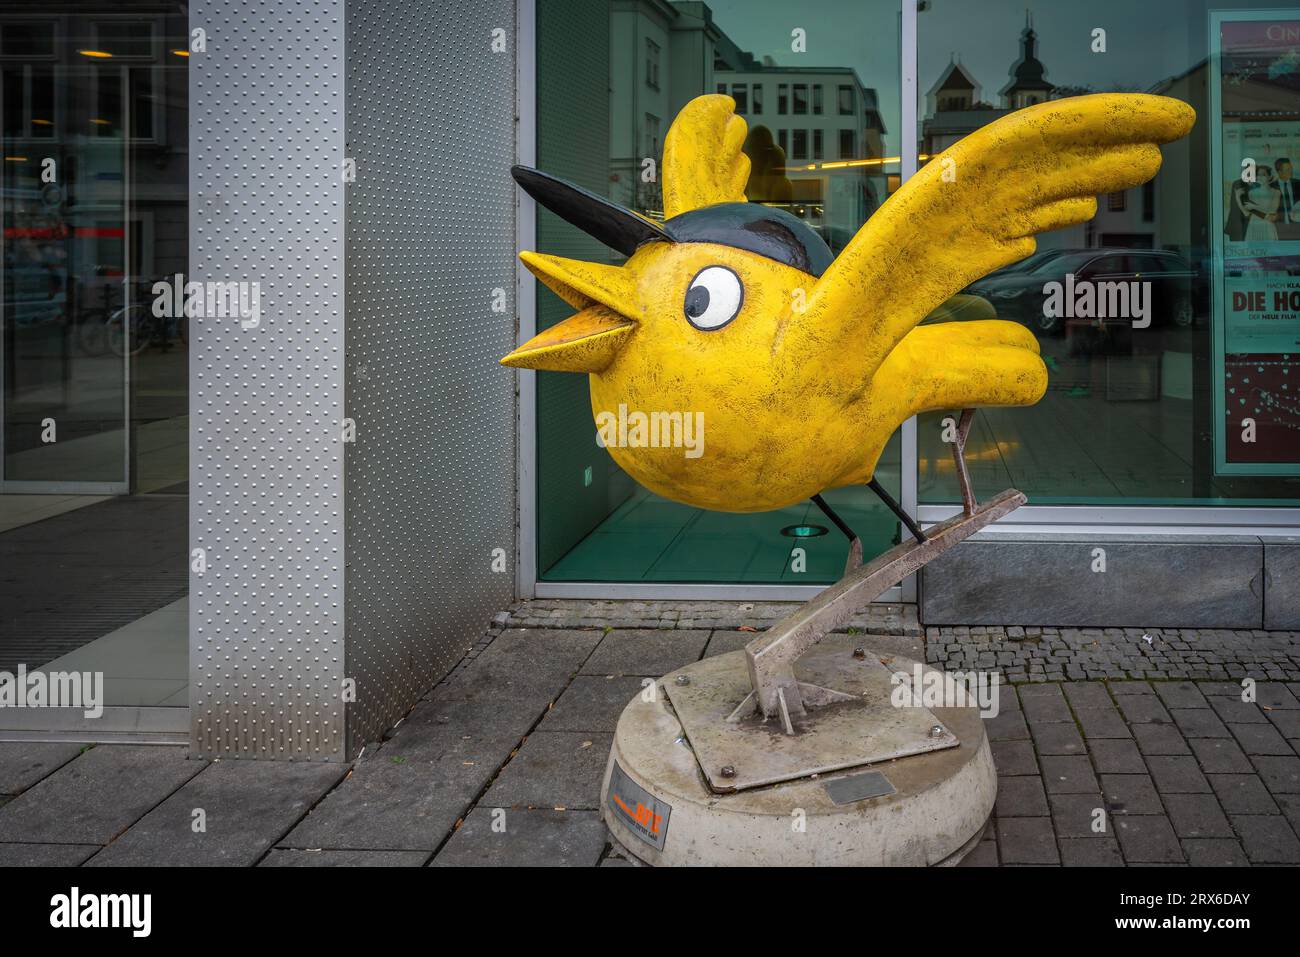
{"points": [[430, 236], [266, 403]]}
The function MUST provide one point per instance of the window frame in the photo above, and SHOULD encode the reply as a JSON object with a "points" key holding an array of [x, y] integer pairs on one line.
{"points": [[652, 51], [740, 95], [851, 109], [155, 35], [56, 25], [795, 152]]}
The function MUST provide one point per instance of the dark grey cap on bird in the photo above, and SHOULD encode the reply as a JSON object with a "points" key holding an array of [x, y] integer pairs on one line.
{"points": [[765, 230]]}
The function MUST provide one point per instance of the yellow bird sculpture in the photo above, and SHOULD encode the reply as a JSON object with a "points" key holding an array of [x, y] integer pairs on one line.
{"points": [[803, 364]]}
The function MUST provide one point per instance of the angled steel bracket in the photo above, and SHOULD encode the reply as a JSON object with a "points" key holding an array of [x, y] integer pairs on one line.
{"points": [[776, 693]]}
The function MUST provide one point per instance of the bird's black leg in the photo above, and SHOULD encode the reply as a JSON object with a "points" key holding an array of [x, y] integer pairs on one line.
{"points": [[855, 543], [830, 513], [897, 510]]}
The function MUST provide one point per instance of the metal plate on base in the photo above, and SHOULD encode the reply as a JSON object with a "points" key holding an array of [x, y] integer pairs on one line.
{"points": [[751, 752], [640, 811], [858, 787]]}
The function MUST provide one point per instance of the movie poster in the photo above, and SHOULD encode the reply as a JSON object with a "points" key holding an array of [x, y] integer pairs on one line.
{"points": [[1255, 147]]}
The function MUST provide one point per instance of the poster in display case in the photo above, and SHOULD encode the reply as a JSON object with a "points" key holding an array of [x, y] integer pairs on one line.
{"points": [[1255, 246]]}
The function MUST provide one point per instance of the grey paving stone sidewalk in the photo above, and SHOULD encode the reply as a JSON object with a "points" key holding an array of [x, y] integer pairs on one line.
{"points": [[1077, 654], [1113, 747]]}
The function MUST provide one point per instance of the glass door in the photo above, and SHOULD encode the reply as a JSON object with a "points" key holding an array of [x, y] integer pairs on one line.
{"points": [[93, 387], [817, 85], [66, 235]]}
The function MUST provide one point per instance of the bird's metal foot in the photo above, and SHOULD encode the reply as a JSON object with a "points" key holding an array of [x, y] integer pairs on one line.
{"points": [[968, 502], [855, 555], [855, 543]]}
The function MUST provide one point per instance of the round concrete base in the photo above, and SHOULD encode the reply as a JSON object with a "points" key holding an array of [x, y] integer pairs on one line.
{"points": [[661, 810]]}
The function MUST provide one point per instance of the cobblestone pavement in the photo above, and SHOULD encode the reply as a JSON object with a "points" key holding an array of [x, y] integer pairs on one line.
{"points": [[1076, 654], [1113, 746]]}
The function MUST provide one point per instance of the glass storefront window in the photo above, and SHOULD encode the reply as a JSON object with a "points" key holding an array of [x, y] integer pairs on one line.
{"points": [[828, 153], [1188, 400], [94, 390], [1184, 399]]}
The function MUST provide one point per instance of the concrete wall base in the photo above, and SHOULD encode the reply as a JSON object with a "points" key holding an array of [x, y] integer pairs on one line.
{"points": [[1112, 581]]}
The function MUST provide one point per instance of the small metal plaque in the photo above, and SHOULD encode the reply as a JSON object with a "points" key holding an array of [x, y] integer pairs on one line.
{"points": [[639, 810], [858, 787]]}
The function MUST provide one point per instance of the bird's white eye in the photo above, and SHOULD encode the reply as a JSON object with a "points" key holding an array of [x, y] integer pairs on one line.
{"points": [[713, 298]]}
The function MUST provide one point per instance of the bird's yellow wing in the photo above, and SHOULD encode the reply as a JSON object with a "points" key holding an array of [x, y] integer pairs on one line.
{"points": [[703, 161], [961, 308], [974, 209], [990, 362]]}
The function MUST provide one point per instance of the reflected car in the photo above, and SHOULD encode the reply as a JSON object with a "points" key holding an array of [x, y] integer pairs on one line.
{"points": [[1018, 294], [34, 295], [1031, 263]]}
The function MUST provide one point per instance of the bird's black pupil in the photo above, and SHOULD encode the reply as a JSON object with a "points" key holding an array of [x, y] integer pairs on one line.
{"points": [[697, 300]]}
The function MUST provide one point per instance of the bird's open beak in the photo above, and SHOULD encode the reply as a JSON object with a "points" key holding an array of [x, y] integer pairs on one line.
{"points": [[588, 341]]}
